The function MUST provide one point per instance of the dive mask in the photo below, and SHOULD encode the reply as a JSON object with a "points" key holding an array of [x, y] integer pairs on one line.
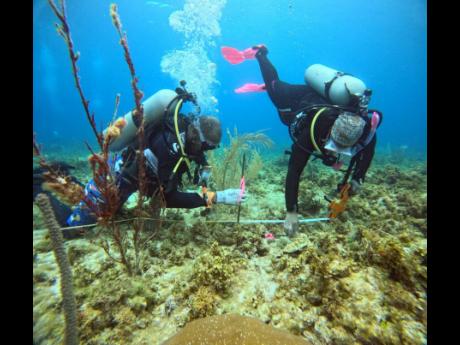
{"points": [[205, 144], [332, 146]]}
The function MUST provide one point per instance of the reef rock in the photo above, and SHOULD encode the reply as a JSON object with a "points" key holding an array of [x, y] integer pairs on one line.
{"points": [[301, 242]]}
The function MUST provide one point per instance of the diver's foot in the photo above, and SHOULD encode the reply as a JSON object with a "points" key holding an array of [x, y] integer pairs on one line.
{"points": [[261, 50]]}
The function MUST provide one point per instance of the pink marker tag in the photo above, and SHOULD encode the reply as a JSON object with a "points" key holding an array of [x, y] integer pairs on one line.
{"points": [[242, 188], [375, 120], [269, 236]]}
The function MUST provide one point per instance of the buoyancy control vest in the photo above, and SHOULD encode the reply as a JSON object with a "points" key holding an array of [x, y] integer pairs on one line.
{"points": [[315, 111]]}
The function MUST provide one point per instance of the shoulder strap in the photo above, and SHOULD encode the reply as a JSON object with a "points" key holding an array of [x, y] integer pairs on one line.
{"points": [[184, 156], [312, 128], [328, 84]]}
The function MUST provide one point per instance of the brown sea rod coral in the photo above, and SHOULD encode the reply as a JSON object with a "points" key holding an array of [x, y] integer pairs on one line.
{"points": [[231, 329], [68, 297], [103, 177]]}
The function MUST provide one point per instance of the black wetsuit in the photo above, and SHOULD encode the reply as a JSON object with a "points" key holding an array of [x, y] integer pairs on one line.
{"points": [[289, 100], [165, 147]]}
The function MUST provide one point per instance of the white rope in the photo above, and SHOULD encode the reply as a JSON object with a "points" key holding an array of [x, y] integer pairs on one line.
{"points": [[245, 222], [278, 221], [249, 221]]}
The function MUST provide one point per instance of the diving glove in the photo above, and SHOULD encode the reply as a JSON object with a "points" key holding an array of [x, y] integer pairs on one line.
{"points": [[355, 187], [291, 224], [230, 197]]}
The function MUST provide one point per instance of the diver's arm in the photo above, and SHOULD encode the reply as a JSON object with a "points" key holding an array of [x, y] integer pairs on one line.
{"points": [[364, 161], [297, 163], [201, 160], [176, 199]]}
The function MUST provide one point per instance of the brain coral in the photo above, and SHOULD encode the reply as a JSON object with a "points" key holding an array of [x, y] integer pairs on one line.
{"points": [[232, 329]]}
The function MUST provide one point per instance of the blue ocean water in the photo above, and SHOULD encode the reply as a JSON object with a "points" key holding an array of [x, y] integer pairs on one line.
{"points": [[383, 42]]}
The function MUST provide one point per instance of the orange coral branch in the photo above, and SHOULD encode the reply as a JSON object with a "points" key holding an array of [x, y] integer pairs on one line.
{"points": [[138, 94], [117, 103], [64, 31]]}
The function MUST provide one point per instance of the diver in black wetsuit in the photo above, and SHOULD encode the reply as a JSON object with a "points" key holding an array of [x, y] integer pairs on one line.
{"points": [[336, 130], [165, 167]]}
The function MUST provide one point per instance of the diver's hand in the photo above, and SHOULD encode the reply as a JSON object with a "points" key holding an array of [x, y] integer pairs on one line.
{"points": [[291, 224], [261, 50], [204, 174], [339, 188], [230, 197], [355, 187]]}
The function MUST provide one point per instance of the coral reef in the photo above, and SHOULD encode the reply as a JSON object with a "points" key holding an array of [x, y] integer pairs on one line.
{"points": [[214, 269], [358, 280], [210, 280], [203, 303]]}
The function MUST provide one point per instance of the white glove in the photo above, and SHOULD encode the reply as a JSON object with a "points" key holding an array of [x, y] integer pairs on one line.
{"points": [[230, 197], [355, 187], [291, 224]]}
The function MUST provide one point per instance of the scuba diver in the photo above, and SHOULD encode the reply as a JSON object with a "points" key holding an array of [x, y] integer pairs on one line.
{"points": [[327, 118], [173, 140]]}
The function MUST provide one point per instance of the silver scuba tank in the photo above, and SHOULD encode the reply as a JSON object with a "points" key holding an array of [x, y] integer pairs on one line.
{"points": [[154, 107], [332, 84]]}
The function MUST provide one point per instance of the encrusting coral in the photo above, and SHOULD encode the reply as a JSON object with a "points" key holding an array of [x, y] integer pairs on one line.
{"points": [[203, 302], [214, 269], [210, 281], [232, 330]]}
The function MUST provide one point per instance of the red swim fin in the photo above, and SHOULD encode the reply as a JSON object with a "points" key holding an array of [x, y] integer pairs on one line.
{"points": [[249, 53], [235, 56], [251, 87]]}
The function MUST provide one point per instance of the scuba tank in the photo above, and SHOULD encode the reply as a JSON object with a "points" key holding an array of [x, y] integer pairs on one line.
{"points": [[337, 87], [154, 107]]}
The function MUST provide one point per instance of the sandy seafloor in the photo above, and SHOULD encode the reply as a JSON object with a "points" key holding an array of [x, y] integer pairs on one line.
{"points": [[358, 280]]}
